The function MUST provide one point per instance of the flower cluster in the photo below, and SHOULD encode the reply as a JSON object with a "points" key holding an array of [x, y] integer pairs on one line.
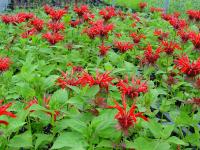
{"points": [[160, 34], [194, 15], [56, 26], [107, 13], [195, 39], [4, 63], [53, 38], [177, 23], [154, 9], [137, 37], [103, 49], [83, 9], [123, 46], [142, 5], [169, 47], [184, 35]]}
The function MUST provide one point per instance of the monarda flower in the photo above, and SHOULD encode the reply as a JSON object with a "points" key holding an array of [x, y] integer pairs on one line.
{"points": [[107, 13], [184, 35], [103, 49], [169, 47], [123, 46], [12, 19], [195, 101], [56, 26], [193, 14], [160, 34], [184, 65], [4, 63], [47, 9], [37, 23], [137, 37], [26, 16], [88, 16], [74, 23], [142, 5], [195, 39], [126, 119], [53, 38], [171, 80], [135, 17], [3, 111], [81, 10], [56, 15], [178, 24], [154, 9], [103, 80], [132, 90], [29, 33]]}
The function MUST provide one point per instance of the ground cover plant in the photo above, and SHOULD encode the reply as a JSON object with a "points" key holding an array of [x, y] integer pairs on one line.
{"points": [[83, 77]]}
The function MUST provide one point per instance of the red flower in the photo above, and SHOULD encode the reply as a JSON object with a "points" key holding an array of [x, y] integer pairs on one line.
{"points": [[26, 16], [184, 35], [169, 47], [4, 63], [171, 79], [31, 103], [126, 119], [74, 23], [197, 83], [151, 57], [136, 17], [194, 14], [195, 101], [38, 24], [48, 9], [161, 35], [56, 15], [121, 14], [81, 10], [142, 5], [184, 65], [13, 19], [56, 26], [88, 16], [107, 13], [28, 33], [154, 9], [133, 90], [195, 38], [118, 35], [3, 111], [137, 37], [178, 23], [123, 46], [67, 80], [53, 38], [103, 49], [103, 80]]}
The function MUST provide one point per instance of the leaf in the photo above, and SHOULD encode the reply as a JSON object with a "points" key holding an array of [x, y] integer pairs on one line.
{"points": [[105, 143], [176, 141], [58, 98], [167, 131], [91, 92], [22, 140], [41, 138]]}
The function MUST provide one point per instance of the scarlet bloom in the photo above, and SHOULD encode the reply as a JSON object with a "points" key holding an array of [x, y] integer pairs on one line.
{"points": [[13, 19], [137, 37], [56, 26], [56, 15], [135, 17], [184, 65], [26, 16], [88, 16], [47, 9], [38, 24], [171, 79], [142, 5], [123, 46], [151, 57], [107, 13], [169, 47], [103, 80], [178, 23], [118, 35], [195, 39], [53, 38], [160, 34], [81, 10], [126, 119], [184, 35], [74, 23], [193, 14], [154, 9], [67, 79], [29, 33], [195, 101], [3, 111], [133, 90], [4, 63], [103, 49]]}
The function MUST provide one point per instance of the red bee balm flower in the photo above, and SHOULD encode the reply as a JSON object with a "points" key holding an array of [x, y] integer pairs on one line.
{"points": [[123, 46], [184, 65], [169, 47], [29, 33], [56, 26], [195, 38], [184, 35], [107, 13], [81, 10], [3, 111], [48, 9], [161, 35], [137, 37], [53, 38], [126, 119], [103, 49], [142, 5], [178, 23], [88, 16], [56, 15], [4, 64], [154, 9], [37, 23], [74, 23]]}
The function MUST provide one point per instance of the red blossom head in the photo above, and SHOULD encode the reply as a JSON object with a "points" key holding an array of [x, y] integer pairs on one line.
{"points": [[56, 26], [195, 39], [103, 49], [88, 16], [137, 37], [160, 34], [13, 19], [178, 23], [53, 38], [184, 35], [123, 46], [37, 23], [142, 5], [169, 47], [3, 111], [81, 10], [126, 119], [74, 23], [154, 9], [184, 65], [29, 33], [135, 17], [4, 63], [56, 15], [107, 13], [48, 9], [193, 14]]}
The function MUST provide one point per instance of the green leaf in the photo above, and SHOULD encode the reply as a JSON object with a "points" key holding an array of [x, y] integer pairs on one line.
{"points": [[91, 92], [22, 140], [176, 141], [58, 98], [105, 143], [42, 138]]}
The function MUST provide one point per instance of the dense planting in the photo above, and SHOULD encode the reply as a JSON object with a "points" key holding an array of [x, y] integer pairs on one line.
{"points": [[99, 78]]}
